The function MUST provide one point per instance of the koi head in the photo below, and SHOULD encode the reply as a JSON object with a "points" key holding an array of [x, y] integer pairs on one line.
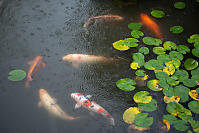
{"points": [[42, 91], [67, 57], [76, 96]]}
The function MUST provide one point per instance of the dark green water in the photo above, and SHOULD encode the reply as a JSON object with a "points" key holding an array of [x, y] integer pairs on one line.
{"points": [[54, 28]]}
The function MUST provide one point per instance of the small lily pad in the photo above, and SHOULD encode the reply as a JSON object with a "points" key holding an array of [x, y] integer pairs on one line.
{"points": [[163, 83], [149, 107], [130, 114], [182, 75], [164, 58], [137, 33], [193, 38], [168, 91], [151, 41], [153, 85], [173, 81], [190, 64], [194, 106], [16, 75], [171, 99], [154, 65], [144, 50], [140, 73], [179, 5], [139, 58], [183, 49], [119, 45], [182, 92], [168, 45], [142, 97], [195, 52], [130, 42], [134, 65], [176, 29], [142, 120], [190, 82], [157, 13], [126, 84], [158, 50], [134, 26], [174, 55], [161, 75]]}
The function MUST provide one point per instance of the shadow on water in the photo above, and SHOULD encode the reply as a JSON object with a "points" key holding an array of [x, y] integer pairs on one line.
{"points": [[54, 28]]}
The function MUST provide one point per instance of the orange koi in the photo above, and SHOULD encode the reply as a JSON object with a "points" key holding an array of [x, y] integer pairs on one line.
{"points": [[146, 20], [34, 64]]}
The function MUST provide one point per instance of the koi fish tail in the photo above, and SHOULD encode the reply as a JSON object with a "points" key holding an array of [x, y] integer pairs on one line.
{"points": [[27, 84]]}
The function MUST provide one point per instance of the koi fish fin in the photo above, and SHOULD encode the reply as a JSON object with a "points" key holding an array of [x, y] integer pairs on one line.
{"points": [[55, 100], [42, 64], [40, 104], [77, 106], [30, 62], [89, 96], [75, 64]]}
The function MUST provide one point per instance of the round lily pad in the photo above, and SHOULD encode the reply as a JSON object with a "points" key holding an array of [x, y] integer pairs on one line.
{"points": [[180, 125], [157, 13], [161, 75], [173, 81], [168, 91], [179, 5], [140, 73], [182, 75], [126, 84], [182, 92], [119, 45], [183, 49], [134, 65], [134, 26], [194, 106], [151, 41], [142, 97], [142, 120], [158, 50], [189, 82], [154, 64], [193, 38], [139, 58], [190, 64], [168, 45], [137, 33], [16, 75], [164, 58], [130, 42], [144, 50], [149, 107], [163, 83], [153, 85], [174, 55], [130, 114], [195, 52], [176, 29]]}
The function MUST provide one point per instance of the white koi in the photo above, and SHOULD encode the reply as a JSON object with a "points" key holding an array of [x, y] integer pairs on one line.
{"points": [[91, 106]]}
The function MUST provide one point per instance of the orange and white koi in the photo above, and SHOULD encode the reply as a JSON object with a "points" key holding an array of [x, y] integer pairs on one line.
{"points": [[34, 64], [77, 59], [91, 106], [104, 17], [51, 106], [146, 20]]}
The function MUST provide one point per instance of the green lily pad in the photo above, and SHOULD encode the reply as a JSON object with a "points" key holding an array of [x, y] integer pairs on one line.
{"points": [[168, 91], [140, 73], [137, 33], [194, 125], [161, 75], [195, 52], [190, 64], [170, 118], [163, 83], [164, 58], [130, 114], [153, 85], [174, 55], [119, 45], [180, 125], [179, 5], [168, 45], [139, 58], [144, 50], [158, 50], [142, 97], [182, 92], [130, 42], [142, 120], [193, 38], [183, 49], [157, 13], [149, 107], [151, 41], [197, 90], [190, 82], [126, 84], [182, 75], [154, 64], [173, 81], [16, 75], [176, 29], [196, 45], [134, 26], [197, 1], [195, 72], [194, 106]]}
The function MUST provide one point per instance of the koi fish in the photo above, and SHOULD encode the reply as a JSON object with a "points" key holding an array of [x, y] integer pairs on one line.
{"points": [[91, 106], [51, 106], [146, 20], [77, 59], [34, 64], [106, 17]]}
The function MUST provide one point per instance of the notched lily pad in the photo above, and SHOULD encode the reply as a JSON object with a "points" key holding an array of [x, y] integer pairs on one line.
{"points": [[137, 33], [140, 73], [126, 84], [183, 49], [139, 58], [119, 45], [194, 106], [153, 85], [195, 52], [182, 75], [176, 29], [164, 58], [168, 45], [134, 26], [142, 97], [142, 120], [130, 42], [151, 41], [16, 75], [130, 114], [180, 125], [170, 118], [190, 64], [174, 55], [149, 107], [182, 92], [161, 75], [134, 65], [179, 5], [168, 91], [193, 38], [158, 50], [157, 13], [144, 50]]}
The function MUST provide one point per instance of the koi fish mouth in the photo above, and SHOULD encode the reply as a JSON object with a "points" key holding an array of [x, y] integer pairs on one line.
{"points": [[42, 91]]}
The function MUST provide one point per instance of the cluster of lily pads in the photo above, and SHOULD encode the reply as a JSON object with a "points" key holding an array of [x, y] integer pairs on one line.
{"points": [[177, 78]]}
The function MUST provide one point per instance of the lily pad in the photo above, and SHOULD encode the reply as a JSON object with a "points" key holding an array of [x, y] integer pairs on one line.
{"points": [[142, 120], [16, 75], [173, 81], [182, 75], [163, 83], [171, 99], [130, 114], [154, 64], [179, 5], [137, 33], [144, 50], [194, 94], [183, 49], [158, 50], [168, 92], [164, 58], [190, 82], [140, 73], [182, 92], [180, 125], [170, 118], [134, 26], [193, 38], [130, 42], [142, 97], [157, 13], [161, 75], [190, 64], [126, 84], [134, 65], [195, 52], [151, 41], [176, 29], [194, 106], [169, 69], [139, 58], [153, 85], [149, 107], [168, 45], [119, 45], [174, 55]]}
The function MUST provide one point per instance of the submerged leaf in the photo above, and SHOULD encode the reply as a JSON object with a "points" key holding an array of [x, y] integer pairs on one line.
{"points": [[194, 106], [142, 120], [168, 45], [179, 5], [126, 84], [142, 97], [16, 75], [153, 85], [157, 13], [151, 41], [137, 33], [176, 29], [134, 26], [149, 107], [190, 64], [144, 50], [129, 114], [183, 49], [158, 50]]}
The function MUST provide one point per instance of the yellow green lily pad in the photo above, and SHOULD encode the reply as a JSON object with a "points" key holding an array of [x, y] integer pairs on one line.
{"points": [[142, 97], [153, 85], [16, 75], [129, 114], [119, 45]]}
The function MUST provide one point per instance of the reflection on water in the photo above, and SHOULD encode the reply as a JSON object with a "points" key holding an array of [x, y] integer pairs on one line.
{"points": [[54, 28]]}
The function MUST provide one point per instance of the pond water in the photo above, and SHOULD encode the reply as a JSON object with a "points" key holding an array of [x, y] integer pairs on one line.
{"points": [[54, 28]]}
